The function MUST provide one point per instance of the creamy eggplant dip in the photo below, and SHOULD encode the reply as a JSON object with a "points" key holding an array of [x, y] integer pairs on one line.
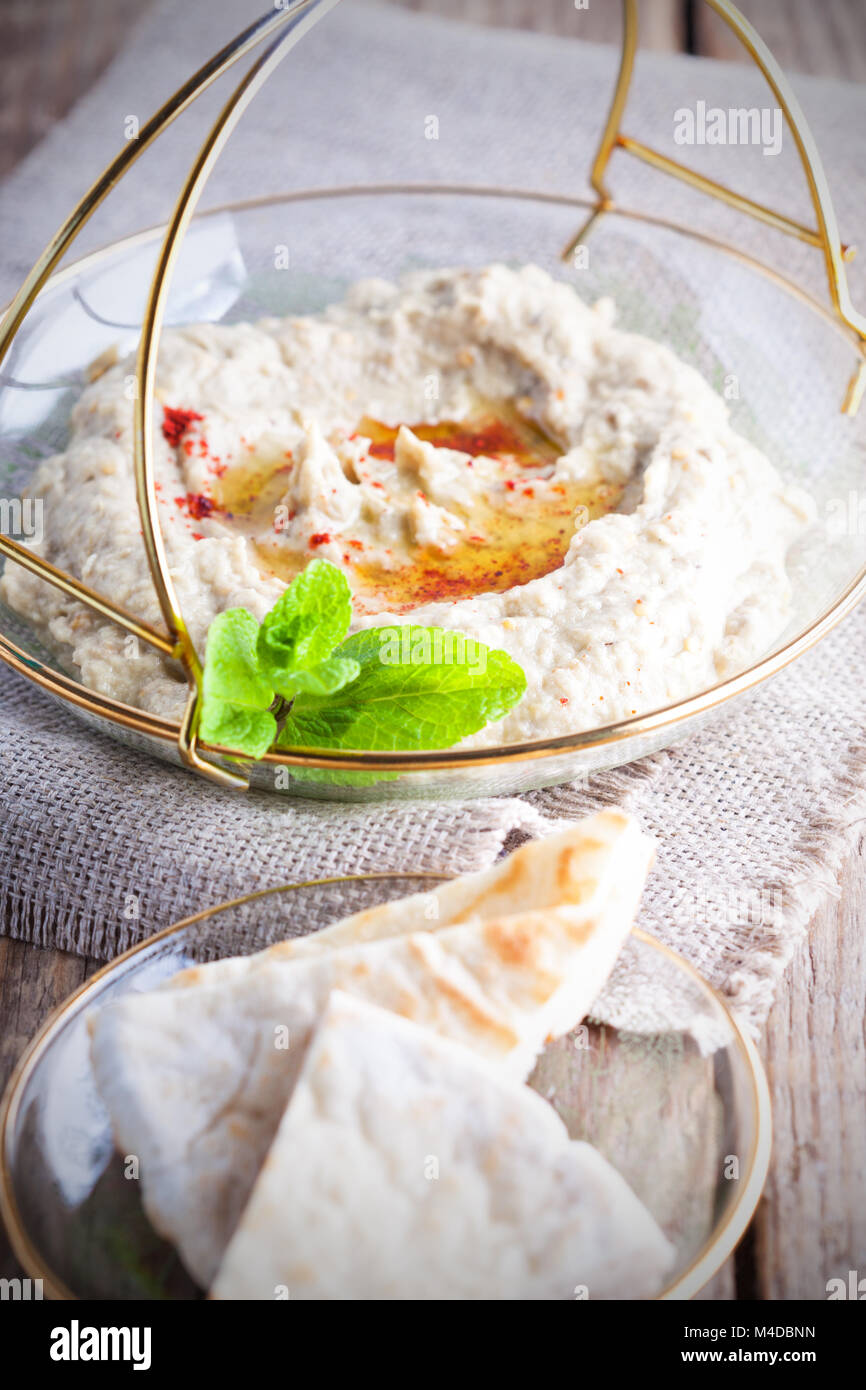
{"points": [[475, 449]]}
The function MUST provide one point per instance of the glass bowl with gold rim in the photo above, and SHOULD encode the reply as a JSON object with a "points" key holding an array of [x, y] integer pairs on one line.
{"points": [[679, 288], [677, 1101]]}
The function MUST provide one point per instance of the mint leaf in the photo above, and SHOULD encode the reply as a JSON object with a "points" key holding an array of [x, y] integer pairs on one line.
{"points": [[326, 678], [245, 730], [418, 687], [235, 695], [304, 626]]}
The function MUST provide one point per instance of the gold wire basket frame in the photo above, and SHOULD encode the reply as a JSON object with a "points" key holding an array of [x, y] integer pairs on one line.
{"points": [[281, 29]]}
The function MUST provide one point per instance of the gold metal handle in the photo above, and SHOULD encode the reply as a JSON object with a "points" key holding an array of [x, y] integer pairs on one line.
{"points": [[302, 16], [824, 236]]}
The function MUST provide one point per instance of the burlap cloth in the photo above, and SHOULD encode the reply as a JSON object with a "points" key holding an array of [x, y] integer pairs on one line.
{"points": [[102, 846]]}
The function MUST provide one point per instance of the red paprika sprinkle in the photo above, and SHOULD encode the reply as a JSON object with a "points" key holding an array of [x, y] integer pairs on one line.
{"points": [[199, 505], [320, 538], [175, 423]]}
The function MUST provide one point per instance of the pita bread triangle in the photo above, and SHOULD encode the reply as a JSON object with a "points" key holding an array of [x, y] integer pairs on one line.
{"points": [[196, 1079], [448, 1182], [570, 866]]}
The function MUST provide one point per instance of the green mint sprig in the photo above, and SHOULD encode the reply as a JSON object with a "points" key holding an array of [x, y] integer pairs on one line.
{"points": [[236, 697], [297, 638], [298, 681], [405, 704]]}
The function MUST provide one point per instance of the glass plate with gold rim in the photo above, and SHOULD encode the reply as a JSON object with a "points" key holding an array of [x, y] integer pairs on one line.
{"points": [[679, 1105], [719, 311]]}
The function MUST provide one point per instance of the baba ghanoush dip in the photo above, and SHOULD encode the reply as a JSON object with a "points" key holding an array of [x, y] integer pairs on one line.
{"points": [[476, 450]]}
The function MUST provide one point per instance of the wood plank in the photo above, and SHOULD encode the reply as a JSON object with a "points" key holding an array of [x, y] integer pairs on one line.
{"points": [[662, 25], [33, 982], [811, 1225], [49, 54], [826, 39]]}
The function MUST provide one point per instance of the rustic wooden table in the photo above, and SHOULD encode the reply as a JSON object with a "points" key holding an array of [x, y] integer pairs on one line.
{"points": [[811, 1224]]}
